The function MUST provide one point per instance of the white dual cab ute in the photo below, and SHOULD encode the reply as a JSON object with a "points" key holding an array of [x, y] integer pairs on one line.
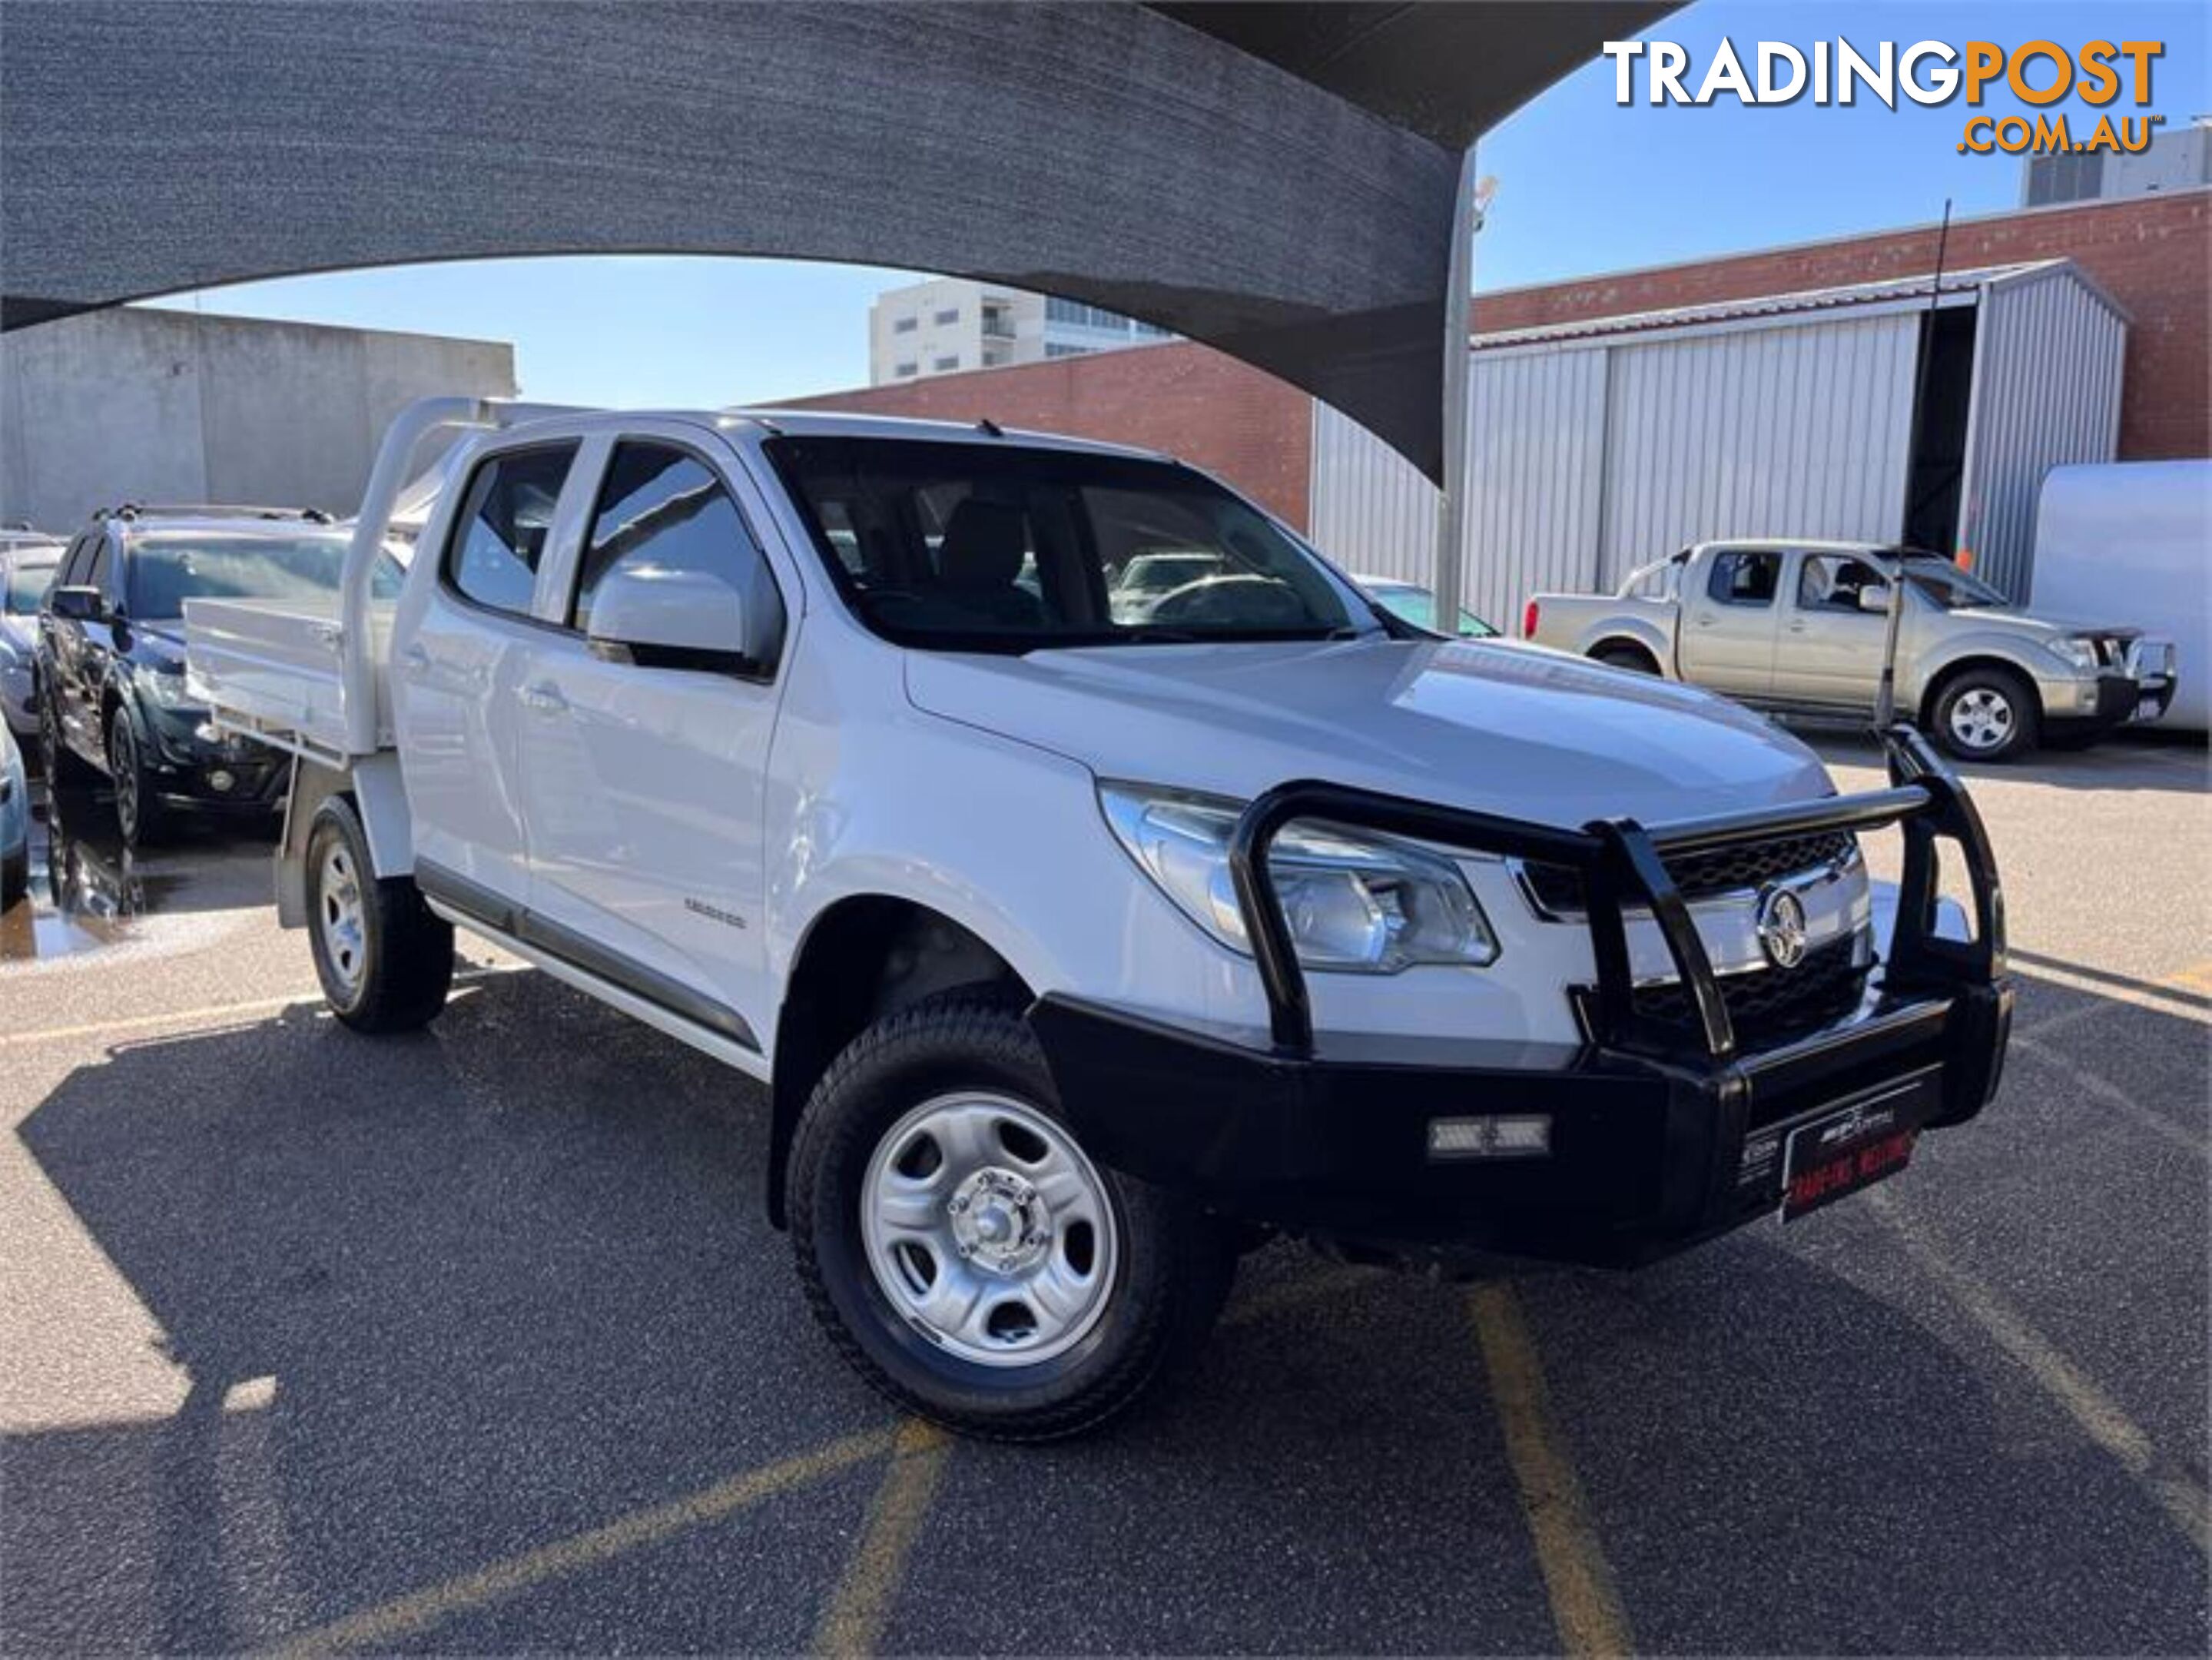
{"points": [[1078, 953]]}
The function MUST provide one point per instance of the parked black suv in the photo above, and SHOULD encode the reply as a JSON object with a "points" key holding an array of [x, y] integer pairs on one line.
{"points": [[111, 656]]}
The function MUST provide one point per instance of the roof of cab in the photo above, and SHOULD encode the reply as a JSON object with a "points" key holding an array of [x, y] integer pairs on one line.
{"points": [[820, 423]]}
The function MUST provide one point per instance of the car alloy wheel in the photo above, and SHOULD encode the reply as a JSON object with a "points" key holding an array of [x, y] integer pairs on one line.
{"points": [[989, 1229], [1982, 719], [122, 769]]}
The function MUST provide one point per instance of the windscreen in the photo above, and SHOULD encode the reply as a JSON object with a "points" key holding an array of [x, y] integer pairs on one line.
{"points": [[27, 585], [167, 568], [1949, 587], [995, 547]]}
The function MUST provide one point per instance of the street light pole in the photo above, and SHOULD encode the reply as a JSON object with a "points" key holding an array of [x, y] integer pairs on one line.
{"points": [[1451, 511], [1885, 701]]}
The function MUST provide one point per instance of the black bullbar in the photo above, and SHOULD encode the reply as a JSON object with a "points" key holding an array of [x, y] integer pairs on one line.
{"points": [[1660, 1134]]}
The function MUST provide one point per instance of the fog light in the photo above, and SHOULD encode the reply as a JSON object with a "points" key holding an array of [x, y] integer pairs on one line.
{"points": [[1529, 1136], [221, 780]]}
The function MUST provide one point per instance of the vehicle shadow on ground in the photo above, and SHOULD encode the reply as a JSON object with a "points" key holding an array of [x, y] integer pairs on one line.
{"points": [[473, 1292]]}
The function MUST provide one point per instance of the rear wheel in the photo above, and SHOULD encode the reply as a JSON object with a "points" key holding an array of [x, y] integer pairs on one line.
{"points": [[1986, 715], [139, 814], [1634, 658], [385, 961], [965, 1253]]}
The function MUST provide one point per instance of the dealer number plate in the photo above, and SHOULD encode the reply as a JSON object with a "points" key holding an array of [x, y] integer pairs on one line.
{"points": [[1850, 1148]]}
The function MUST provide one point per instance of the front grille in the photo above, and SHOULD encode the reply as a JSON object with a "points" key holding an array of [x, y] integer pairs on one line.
{"points": [[1770, 1004], [1702, 875]]}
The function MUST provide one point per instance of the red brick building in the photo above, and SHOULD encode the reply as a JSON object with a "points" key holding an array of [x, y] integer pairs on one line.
{"points": [[2153, 254]]}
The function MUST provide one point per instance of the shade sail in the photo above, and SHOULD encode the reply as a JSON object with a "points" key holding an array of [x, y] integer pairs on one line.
{"points": [[1275, 180]]}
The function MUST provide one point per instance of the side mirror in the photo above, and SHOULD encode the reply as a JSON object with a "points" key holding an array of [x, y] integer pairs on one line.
{"points": [[674, 619], [78, 605], [1875, 600]]}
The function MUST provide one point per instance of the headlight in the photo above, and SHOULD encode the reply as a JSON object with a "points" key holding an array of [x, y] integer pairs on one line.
{"points": [[166, 690], [2080, 654], [1356, 903]]}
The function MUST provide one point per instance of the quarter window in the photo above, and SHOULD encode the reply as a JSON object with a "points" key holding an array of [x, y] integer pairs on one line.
{"points": [[505, 521], [663, 509], [1744, 579]]}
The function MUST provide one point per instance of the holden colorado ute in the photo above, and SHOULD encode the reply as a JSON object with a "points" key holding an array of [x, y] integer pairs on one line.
{"points": [[1077, 948], [1800, 628]]}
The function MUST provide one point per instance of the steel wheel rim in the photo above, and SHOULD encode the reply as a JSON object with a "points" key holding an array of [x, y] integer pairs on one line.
{"points": [[340, 918], [988, 1230], [1981, 718], [123, 762]]}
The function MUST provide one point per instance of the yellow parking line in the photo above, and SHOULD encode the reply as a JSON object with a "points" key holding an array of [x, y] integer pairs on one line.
{"points": [[2099, 1415], [1586, 1608], [206, 1012], [390, 1622], [213, 1011], [853, 1623]]}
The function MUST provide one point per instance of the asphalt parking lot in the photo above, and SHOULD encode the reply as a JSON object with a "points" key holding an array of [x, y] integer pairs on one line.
{"points": [[479, 1341]]}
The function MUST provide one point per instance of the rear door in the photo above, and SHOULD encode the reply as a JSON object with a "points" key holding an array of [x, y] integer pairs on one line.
{"points": [[1730, 619], [643, 780], [460, 670], [1831, 648]]}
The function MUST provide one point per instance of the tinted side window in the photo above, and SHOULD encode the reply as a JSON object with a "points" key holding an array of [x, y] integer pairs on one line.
{"points": [[663, 509], [101, 575], [501, 533], [75, 563], [1744, 579]]}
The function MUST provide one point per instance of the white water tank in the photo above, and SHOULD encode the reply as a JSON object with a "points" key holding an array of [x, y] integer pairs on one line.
{"points": [[2130, 542]]}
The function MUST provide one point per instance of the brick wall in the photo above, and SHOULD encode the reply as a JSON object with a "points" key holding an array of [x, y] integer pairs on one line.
{"points": [[1212, 411], [2152, 254]]}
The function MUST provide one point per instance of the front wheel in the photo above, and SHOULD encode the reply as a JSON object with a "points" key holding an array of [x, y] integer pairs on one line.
{"points": [[1986, 715], [139, 814], [386, 962], [14, 876], [963, 1249]]}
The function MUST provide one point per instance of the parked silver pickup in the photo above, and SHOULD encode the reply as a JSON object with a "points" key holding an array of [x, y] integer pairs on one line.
{"points": [[1799, 628]]}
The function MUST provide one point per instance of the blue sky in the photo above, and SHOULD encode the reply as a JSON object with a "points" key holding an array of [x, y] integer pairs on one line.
{"points": [[1584, 186]]}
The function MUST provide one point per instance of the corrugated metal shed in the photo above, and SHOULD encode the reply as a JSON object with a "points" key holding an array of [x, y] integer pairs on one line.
{"points": [[1598, 445], [2046, 394]]}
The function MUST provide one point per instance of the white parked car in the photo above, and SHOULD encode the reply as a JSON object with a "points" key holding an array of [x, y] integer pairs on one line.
{"points": [[28, 562], [14, 823], [1074, 951]]}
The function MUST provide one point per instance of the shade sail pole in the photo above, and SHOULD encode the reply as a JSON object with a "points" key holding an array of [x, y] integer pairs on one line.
{"points": [[1451, 511]]}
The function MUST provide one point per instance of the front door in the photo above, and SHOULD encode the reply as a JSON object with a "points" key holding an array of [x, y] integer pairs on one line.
{"points": [[1831, 645], [643, 780], [1726, 631]]}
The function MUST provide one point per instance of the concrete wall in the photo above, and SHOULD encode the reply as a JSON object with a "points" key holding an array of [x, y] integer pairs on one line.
{"points": [[148, 405]]}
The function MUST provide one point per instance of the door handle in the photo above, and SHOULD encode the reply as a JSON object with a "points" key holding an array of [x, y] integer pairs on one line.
{"points": [[1796, 628], [546, 698]]}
